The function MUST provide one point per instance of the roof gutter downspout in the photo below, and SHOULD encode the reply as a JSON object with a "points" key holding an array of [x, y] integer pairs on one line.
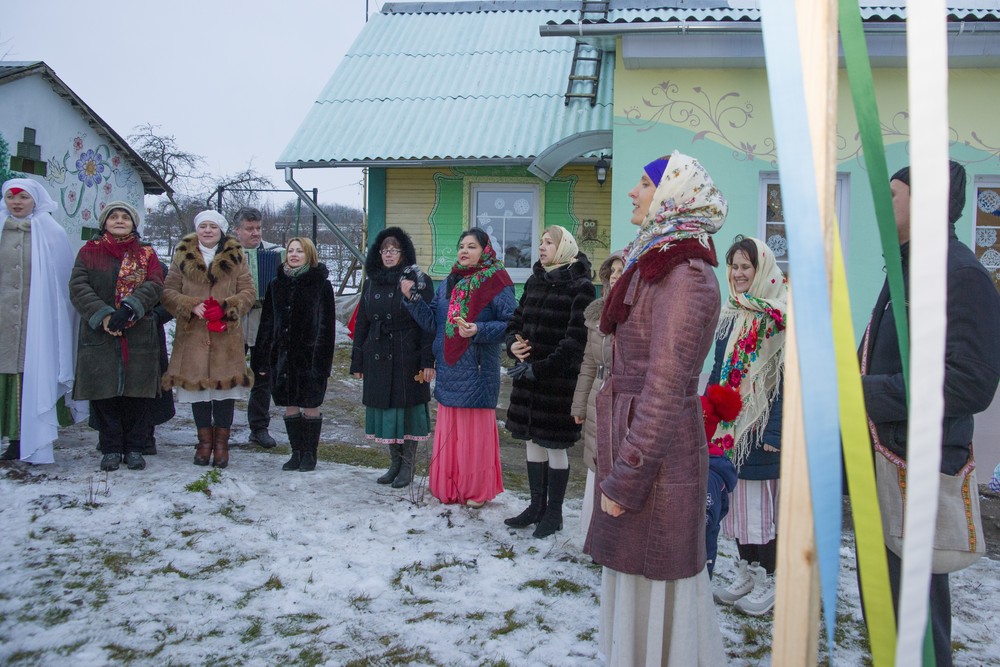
{"points": [[307, 200]]}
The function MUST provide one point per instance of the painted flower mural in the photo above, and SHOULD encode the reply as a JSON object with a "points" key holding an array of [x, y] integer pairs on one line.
{"points": [[90, 168]]}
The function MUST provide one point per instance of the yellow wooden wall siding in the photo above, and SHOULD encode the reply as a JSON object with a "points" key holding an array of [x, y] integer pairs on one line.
{"points": [[410, 202]]}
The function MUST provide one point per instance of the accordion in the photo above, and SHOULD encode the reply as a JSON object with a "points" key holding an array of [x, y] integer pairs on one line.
{"points": [[268, 263]]}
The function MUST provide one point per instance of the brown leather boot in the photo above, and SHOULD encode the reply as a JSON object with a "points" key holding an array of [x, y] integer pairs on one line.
{"points": [[220, 448], [204, 451]]}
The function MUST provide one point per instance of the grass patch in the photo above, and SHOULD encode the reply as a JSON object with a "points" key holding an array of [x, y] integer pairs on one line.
{"points": [[559, 586], [125, 654], [510, 625], [360, 601], [170, 569], [587, 635], [292, 625], [117, 562], [56, 615], [426, 616], [394, 655], [253, 632], [203, 484]]}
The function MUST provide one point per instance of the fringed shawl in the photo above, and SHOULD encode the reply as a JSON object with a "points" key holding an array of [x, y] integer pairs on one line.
{"points": [[754, 361]]}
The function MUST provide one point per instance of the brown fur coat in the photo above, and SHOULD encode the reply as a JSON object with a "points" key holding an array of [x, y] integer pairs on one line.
{"points": [[200, 359]]}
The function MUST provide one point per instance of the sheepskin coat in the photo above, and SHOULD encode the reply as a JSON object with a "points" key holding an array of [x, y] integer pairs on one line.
{"points": [[550, 316], [201, 359], [101, 372], [390, 348], [296, 337], [595, 367]]}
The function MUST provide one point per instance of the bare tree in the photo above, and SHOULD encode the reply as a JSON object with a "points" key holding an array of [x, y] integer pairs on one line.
{"points": [[239, 190], [178, 168]]}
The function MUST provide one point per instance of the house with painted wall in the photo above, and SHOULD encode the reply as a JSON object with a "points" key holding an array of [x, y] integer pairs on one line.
{"points": [[48, 133], [452, 105]]}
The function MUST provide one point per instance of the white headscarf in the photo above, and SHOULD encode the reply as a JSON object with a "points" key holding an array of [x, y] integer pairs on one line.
{"points": [[212, 216], [50, 349]]}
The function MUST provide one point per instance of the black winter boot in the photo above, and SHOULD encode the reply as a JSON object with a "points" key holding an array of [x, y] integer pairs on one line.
{"points": [[552, 520], [409, 456], [537, 474], [149, 449], [310, 442], [396, 460], [13, 451], [294, 426]]}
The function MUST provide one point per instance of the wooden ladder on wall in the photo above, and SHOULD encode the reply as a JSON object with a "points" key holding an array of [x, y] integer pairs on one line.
{"points": [[586, 66]]}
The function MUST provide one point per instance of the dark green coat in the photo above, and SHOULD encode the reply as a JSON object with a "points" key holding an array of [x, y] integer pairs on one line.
{"points": [[100, 370]]}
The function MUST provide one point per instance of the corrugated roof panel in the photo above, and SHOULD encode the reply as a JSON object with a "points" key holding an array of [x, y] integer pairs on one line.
{"points": [[450, 86]]}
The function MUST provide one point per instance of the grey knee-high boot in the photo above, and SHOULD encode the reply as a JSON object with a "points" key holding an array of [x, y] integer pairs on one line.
{"points": [[396, 460], [409, 456], [293, 425]]}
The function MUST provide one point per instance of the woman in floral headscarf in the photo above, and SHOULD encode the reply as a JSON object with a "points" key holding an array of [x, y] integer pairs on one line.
{"points": [[469, 314], [750, 357], [37, 346], [652, 454]]}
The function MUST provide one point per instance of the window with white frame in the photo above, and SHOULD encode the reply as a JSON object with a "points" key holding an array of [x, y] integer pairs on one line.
{"points": [[508, 212], [987, 225], [773, 225]]}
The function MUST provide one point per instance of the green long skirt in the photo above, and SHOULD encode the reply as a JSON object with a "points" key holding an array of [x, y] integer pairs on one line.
{"points": [[395, 425], [11, 387]]}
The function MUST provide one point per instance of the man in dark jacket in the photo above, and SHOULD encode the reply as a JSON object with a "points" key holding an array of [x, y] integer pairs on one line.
{"points": [[264, 259], [972, 370]]}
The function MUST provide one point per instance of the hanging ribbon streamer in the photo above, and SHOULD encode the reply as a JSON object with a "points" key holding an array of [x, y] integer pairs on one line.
{"points": [[927, 63], [809, 287], [859, 73], [868, 542]]}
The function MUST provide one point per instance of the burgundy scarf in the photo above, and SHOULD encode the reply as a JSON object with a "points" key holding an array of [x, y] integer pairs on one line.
{"points": [[652, 266]]}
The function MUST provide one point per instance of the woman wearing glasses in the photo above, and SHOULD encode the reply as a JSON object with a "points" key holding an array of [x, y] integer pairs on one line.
{"points": [[393, 354]]}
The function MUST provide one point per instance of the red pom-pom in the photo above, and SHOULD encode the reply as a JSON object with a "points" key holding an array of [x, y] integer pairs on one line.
{"points": [[725, 401]]}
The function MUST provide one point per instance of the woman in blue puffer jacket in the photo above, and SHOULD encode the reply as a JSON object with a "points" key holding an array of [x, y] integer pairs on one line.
{"points": [[469, 314]]}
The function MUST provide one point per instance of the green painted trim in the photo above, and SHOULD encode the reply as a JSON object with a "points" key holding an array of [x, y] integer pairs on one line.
{"points": [[376, 200], [447, 221]]}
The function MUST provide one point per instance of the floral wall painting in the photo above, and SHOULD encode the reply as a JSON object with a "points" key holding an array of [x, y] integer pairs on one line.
{"points": [[87, 177]]}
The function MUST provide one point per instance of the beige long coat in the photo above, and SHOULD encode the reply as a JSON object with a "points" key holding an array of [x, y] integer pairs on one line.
{"points": [[595, 367], [201, 359]]}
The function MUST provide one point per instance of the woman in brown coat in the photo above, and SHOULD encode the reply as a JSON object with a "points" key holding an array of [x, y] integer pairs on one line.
{"points": [[652, 457], [208, 289], [593, 370]]}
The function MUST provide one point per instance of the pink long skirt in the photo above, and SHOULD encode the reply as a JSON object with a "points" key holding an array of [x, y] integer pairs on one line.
{"points": [[465, 464]]}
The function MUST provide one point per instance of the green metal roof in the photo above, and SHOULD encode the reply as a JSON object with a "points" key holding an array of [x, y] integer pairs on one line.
{"points": [[428, 82]]}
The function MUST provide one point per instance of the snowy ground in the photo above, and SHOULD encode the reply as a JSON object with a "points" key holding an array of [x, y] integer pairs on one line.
{"points": [[175, 565]]}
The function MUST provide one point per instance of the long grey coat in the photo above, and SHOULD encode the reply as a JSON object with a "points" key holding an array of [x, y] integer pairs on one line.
{"points": [[652, 456]]}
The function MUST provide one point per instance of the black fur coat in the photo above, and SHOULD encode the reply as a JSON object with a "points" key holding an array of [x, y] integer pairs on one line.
{"points": [[296, 338]]}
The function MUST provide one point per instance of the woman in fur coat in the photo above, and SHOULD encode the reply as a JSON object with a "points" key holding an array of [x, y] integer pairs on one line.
{"points": [[295, 344], [208, 289], [547, 336], [393, 354], [115, 284], [594, 368]]}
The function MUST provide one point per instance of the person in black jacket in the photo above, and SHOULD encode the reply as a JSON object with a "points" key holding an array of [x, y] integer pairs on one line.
{"points": [[295, 345], [547, 336], [972, 370], [393, 354]]}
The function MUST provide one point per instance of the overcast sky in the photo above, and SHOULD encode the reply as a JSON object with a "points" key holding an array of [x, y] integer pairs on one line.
{"points": [[231, 80]]}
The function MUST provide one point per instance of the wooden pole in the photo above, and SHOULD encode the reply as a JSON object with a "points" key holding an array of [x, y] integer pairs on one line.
{"points": [[796, 617]]}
